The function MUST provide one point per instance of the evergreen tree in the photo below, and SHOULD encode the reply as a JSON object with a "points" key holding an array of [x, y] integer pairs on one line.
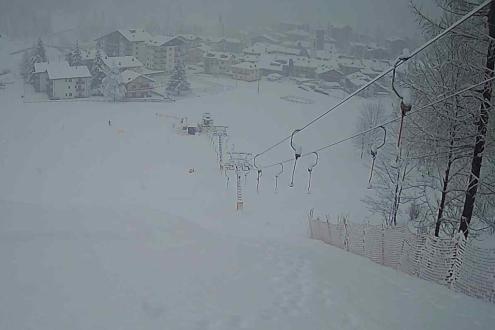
{"points": [[178, 83], [39, 54], [97, 73], [27, 66], [74, 57], [112, 86]]}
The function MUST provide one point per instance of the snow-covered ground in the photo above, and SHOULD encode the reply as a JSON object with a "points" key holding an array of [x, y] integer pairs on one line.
{"points": [[103, 227]]}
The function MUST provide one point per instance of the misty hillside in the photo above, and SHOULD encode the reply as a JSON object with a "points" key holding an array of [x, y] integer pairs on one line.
{"points": [[261, 165]]}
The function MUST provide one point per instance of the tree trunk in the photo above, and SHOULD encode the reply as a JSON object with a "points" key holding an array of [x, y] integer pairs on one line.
{"points": [[444, 195], [446, 177], [479, 147]]}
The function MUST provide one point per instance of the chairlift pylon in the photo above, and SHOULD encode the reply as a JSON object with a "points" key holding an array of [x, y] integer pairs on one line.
{"points": [[404, 108], [374, 153], [297, 155], [260, 173], [277, 175], [310, 170]]}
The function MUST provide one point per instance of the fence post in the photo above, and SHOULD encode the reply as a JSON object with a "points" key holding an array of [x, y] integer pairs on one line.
{"points": [[459, 245], [329, 232], [383, 244], [346, 235], [310, 221]]}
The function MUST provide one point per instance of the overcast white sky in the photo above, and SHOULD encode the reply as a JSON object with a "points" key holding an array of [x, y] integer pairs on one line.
{"points": [[385, 17]]}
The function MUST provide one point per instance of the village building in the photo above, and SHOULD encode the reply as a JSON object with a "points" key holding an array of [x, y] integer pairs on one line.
{"points": [[227, 45], [39, 77], [272, 64], [136, 85], [264, 38], [349, 65], [191, 40], [218, 62], [329, 73], [163, 53], [67, 82], [195, 55], [123, 42], [256, 49], [245, 71], [122, 63], [88, 56], [305, 67], [356, 80]]}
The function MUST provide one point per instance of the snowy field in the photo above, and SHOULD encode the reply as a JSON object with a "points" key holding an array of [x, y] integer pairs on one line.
{"points": [[103, 227]]}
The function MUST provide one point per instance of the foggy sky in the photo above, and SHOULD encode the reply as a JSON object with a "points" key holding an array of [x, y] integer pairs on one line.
{"points": [[376, 17]]}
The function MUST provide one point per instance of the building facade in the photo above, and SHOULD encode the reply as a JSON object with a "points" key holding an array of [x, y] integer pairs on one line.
{"points": [[218, 62], [68, 82], [136, 85], [164, 53], [124, 42], [245, 71]]}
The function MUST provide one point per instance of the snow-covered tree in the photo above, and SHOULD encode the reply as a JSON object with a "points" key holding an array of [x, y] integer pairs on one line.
{"points": [[97, 73], [74, 57], [371, 115], [393, 180], [446, 130], [178, 83], [39, 54], [112, 86], [27, 66]]}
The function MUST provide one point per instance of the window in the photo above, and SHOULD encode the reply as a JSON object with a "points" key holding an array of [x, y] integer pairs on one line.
{"points": [[70, 94]]}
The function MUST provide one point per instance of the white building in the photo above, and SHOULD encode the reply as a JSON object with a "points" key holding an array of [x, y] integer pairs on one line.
{"points": [[218, 62], [245, 71], [67, 82], [124, 42], [163, 53], [122, 62], [40, 76]]}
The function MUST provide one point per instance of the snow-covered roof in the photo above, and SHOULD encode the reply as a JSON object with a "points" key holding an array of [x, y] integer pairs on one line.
{"points": [[250, 58], [322, 68], [43, 66], [268, 38], [245, 65], [146, 72], [122, 62], [282, 50], [63, 72], [129, 75], [219, 55], [258, 48], [40, 67], [272, 63], [162, 40], [135, 35], [189, 37], [220, 39], [298, 44]]}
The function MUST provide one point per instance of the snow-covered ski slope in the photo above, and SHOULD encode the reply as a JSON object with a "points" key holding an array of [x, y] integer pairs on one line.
{"points": [[103, 227]]}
